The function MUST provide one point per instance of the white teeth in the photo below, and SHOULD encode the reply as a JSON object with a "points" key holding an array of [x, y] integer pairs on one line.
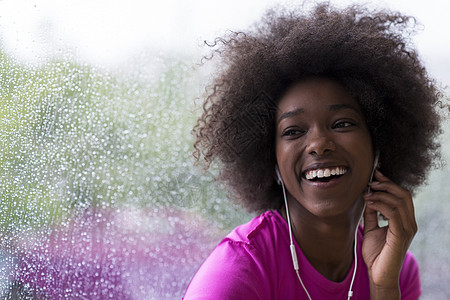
{"points": [[326, 172]]}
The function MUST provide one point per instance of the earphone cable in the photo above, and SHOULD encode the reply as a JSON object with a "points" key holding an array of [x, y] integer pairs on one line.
{"points": [[291, 246], [294, 253], [291, 239]]}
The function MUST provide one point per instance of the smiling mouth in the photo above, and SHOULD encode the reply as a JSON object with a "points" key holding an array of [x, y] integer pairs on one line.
{"points": [[324, 174]]}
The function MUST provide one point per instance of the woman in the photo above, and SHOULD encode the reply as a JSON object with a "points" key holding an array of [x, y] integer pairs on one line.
{"points": [[298, 116]]}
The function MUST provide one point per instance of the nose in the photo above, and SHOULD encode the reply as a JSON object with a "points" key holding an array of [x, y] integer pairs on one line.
{"points": [[319, 143]]}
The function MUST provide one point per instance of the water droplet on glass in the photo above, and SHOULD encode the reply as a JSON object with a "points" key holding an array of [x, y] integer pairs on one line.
{"points": [[99, 197]]}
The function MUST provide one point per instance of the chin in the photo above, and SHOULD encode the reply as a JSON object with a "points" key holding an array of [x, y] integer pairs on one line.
{"points": [[331, 207]]}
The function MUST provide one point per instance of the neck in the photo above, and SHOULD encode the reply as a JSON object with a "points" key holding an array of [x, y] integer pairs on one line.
{"points": [[327, 243]]}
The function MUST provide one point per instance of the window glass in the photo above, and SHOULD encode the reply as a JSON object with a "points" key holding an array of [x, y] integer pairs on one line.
{"points": [[99, 195]]}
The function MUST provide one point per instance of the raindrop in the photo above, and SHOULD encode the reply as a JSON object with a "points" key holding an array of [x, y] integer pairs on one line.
{"points": [[99, 195]]}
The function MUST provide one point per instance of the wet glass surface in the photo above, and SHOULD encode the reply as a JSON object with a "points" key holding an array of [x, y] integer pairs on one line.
{"points": [[99, 195]]}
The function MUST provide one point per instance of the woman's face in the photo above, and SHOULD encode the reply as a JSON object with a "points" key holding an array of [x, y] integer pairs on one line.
{"points": [[323, 146]]}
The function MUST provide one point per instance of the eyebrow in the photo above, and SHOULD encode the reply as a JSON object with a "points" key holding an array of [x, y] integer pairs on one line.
{"points": [[337, 107], [290, 114], [333, 107]]}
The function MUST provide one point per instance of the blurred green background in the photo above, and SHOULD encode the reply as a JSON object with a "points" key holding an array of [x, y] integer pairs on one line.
{"points": [[99, 195], [77, 139]]}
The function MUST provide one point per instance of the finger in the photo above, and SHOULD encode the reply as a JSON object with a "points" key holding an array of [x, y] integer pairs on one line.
{"points": [[383, 183], [390, 187], [397, 192], [393, 203], [370, 219], [400, 225], [387, 185], [395, 222], [398, 239]]}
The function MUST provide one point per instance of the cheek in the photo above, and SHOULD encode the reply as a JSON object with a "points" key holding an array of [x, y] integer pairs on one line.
{"points": [[285, 157], [287, 150], [363, 150]]}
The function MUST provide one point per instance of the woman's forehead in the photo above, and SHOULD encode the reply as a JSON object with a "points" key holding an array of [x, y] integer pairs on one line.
{"points": [[316, 93]]}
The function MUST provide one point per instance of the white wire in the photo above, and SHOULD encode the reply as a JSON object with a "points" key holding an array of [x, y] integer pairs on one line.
{"points": [[291, 246], [294, 254], [375, 164], [350, 292], [287, 212], [300, 279]]}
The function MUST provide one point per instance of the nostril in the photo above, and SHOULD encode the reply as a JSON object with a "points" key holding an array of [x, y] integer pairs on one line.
{"points": [[321, 149], [319, 141]]}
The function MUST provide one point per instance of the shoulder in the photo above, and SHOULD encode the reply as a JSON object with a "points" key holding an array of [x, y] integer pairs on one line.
{"points": [[253, 240], [238, 267], [410, 279], [263, 227]]}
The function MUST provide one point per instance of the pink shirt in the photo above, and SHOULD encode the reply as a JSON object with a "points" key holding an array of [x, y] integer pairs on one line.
{"points": [[254, 262]]}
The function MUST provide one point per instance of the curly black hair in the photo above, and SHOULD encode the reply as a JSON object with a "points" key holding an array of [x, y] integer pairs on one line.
{"points": [[366, 51]]}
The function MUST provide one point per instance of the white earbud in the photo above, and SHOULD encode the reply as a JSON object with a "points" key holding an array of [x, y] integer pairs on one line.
{"points": [[375, 165], [279, 180]]}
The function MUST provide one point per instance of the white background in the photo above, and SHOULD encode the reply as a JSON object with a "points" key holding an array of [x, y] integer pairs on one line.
{"points": [[108, 31]]}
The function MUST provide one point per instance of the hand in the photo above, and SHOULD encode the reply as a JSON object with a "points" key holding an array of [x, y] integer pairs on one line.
{"points": [[384, 249]]}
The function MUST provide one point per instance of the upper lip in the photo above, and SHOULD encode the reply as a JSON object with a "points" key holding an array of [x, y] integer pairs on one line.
{"points": [[323, 165]]}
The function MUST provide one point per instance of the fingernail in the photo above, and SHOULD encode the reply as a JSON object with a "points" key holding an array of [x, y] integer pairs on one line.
{"points": [[374, 183]]}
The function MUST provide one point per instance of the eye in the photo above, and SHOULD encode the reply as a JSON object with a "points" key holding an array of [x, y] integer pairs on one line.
{"points": [[292, 132], [343, 124]]}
